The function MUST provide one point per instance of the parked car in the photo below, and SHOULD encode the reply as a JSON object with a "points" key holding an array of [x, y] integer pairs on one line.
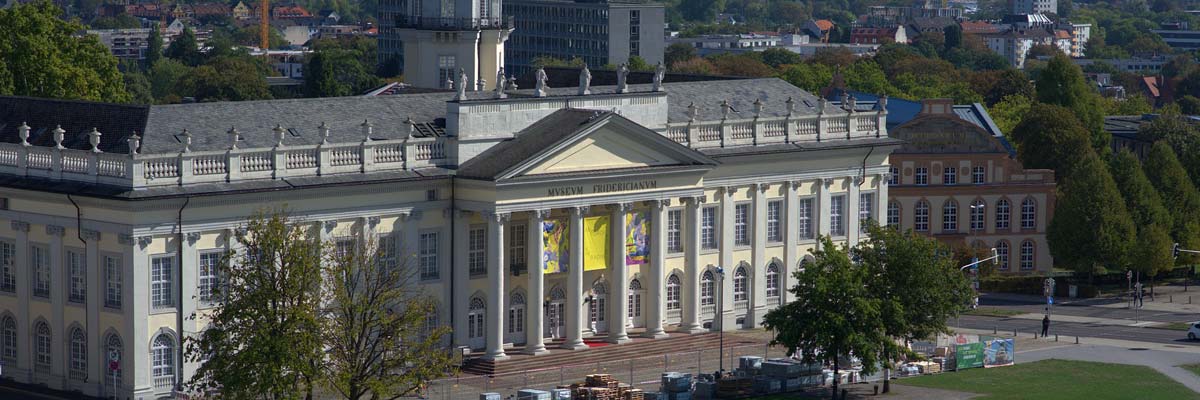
{"points": [[1194, 331]]}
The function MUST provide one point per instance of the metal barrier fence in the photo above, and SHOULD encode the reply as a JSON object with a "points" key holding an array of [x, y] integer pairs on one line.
{"points": [[643, 373]]}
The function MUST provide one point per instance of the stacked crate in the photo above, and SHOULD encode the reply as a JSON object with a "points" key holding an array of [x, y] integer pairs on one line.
{"points": [[676, 386]]}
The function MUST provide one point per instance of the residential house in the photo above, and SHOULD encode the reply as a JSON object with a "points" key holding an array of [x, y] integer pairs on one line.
{"points": [[819, 29], [879, 35]]}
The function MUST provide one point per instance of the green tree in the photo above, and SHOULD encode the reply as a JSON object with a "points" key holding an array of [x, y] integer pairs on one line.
{"points": [[1178, 193], [374, 325], [138, 87], [808, 76], [123, 21], [678, 52], [263, 339], [953, 35], [1091, 228], [778, 56], [639, 64], [42, 55], [1062, 83], [1008, 113], [330, 73], [1050, 137], [835, 315], [701, 10], [167, 80], [154, 46], [185, 49], [1152, 252], [997, 85], [227, 79]]}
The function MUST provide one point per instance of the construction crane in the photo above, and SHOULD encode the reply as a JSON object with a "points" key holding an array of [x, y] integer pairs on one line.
{"points": [[264, 24]]}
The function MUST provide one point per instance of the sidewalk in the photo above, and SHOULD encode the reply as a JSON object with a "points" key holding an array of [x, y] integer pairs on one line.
{"points": [[1166, 299], [1091, 320]]}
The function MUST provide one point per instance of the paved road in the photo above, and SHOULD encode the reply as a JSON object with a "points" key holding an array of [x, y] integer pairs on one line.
{"points": [[1088, 308], [1065, 329]]}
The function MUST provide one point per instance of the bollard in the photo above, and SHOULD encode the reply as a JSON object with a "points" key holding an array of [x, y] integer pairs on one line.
{"points": [[993, 329], [1055, 337], [876, 390], [1077, 340], [1014, 333], [1171, 298]]}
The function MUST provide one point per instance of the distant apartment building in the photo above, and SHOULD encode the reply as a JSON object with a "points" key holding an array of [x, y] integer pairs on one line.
{"points": [[713, 44], [900, 15], [1140, 66], [1180, 39], [866, 35], [598, 32], [1014, 44], [1033, 6], [130, 44]]}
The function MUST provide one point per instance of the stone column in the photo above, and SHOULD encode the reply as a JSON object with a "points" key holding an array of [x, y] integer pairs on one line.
{"points": [[725, 315], [58, 284], [881, 201], [95, 299], [658, 259], [690, 321], [189, 268], [136, 285], [850, 213], [575, 282], [534, 312], [791, 238], [462, 276], [758, 274], [823, 201], [24, 281], [410, 242], [618, 311], [497, 223]]}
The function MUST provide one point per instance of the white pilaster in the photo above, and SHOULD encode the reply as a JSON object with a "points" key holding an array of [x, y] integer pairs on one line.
{"points": [[24, 277], [619, 280], [137, 315], [575, 282], [881, 201], [851, 212], [758, 279], [58, 285], [189, 268], [534, 313], [497, 223], [95, 290], [791, 253], [823, 201], [461, 277], [658, 258], [725, 313], [691, 281]]}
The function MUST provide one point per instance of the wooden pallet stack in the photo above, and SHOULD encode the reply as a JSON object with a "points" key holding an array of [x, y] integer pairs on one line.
{"points": [[603, 387]]}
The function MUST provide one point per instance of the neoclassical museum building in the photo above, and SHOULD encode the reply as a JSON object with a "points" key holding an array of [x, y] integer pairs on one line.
{"points": [[535, 217]]}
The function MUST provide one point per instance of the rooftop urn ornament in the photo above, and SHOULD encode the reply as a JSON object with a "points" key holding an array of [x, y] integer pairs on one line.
{"points": [[134, 142], [500, 82], [187, 141], [883, 102], [58, 137], [480, 84], [845, 99], [622, 75], [585, 80], [758, 107], [691, 112], [278, 135], [323, 130], [512, 83], [539, 88], [367, 130], [725, 109], [449, 83], [659, 72], [853, 104], [234, 137], [412, 126], [94, 140], [462, 85], [23, 133], [791, 106], [820, 105]]}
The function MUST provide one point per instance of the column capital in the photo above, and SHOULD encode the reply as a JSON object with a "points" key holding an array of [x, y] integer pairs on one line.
{"points": [[20, 226], [729, 190], [144, 241], [826, 182], [373, 220], [659, 204], [411, 215], [498, 217], [192, 237], [858, 180], [540, 213], [579, 210], [55, 230], [329, 225], [696, 200], [125, 239], [762, 187], [883, 178], [622, 207], [90, 234], [795, 184]]}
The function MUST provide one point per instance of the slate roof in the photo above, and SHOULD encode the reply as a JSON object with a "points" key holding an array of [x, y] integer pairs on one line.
{"points": [[114, 121], [527, 143]]}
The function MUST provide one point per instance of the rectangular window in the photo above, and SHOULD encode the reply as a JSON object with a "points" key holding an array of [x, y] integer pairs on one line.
{"points": [[978, 175], [837, 222], [866, 210], [516, 247], [343, 247], [8, 274], [674, 231], [804, 221], [893, 214], [388, 251], [893, 176], [77, 272], [774, 231], [921, 177], [208, 280], [477, 251], [112, 282], [446, 71], [921, 217], [741, 224], [949, 176], [162, 271], [428, 254], [39, 261], [708, 227]]}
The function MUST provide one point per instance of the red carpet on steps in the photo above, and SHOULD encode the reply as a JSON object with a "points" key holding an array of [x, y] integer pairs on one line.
{"points": [[595, 343]]}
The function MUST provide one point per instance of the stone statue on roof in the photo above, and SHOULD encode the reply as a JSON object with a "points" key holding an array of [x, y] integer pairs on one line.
{"points": [[539, 88], [659, 72], [585, 80], [500, 82], [622, 74], [462, 85]]}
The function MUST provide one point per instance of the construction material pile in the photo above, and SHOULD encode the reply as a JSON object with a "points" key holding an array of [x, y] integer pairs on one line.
{"points": [[602, 387]]}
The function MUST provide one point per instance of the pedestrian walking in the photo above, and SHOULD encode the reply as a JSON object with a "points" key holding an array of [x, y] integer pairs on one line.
{"points": [[1045, 325]]}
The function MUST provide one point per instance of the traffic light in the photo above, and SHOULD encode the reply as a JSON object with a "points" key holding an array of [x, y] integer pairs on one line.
{"points": [[1175, 251]]}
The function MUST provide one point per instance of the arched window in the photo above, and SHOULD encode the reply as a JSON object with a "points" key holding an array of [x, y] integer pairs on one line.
{"points": [[42, 345], [162, 363], [1003, 214], [475, 323], [557, 294], [673, 295], [113, 344], [1002, 255], [921, 216], [1027, 255], [1028, 214], [950, 216], [773, 280], [706, 288], [78, 355], [634, 305], [516, 313], [893, 214], [740, 284], [8, 338], [977, 215]]}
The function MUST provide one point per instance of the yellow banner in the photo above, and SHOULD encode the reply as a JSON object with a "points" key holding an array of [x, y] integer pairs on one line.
{"points": [[595, 243]]}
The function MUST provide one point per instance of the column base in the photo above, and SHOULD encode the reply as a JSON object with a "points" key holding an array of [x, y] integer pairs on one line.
{"points": [[755, 316], [495, 356], [656, 334], [620, 338], [574, 345], [692, 328], [535, 350]]}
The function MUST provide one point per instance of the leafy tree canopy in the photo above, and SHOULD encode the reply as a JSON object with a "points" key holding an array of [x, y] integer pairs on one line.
{"points": [[41, 55]]}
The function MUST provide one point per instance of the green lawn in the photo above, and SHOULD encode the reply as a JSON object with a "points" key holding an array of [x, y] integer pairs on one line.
{"points": [[993, 312], [1175, 326], [1195, 368], [1059, 379]]}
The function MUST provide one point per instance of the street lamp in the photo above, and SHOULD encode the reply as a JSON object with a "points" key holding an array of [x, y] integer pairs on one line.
{"points": [[721, 319]]}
